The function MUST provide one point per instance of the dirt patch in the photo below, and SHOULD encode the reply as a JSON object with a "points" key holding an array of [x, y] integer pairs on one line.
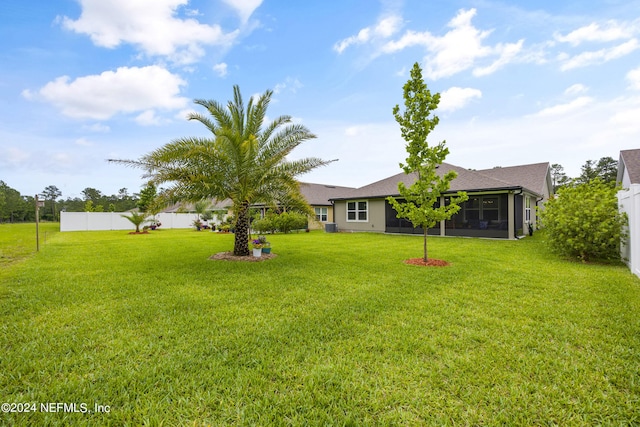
{"points": [[229, 256], [430, 262]]}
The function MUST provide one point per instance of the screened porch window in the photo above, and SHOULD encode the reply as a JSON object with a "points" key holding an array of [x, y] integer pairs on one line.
{"points": [[481, 212]]}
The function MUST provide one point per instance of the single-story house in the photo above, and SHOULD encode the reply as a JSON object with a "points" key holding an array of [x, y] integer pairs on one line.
{"points": [[318, 196], [629, 202], [502, 203]]}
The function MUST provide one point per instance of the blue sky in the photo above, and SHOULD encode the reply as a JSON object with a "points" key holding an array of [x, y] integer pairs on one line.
{"points": [[522, 82]]}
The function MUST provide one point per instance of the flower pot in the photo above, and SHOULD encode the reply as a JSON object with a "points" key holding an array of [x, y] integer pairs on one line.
{"points": [[266, 250], [257, 252]]}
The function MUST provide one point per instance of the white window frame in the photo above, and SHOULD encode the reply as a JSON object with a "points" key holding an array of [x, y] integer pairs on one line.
{"points": [[322, 213], [527, 209], [358, 211]]}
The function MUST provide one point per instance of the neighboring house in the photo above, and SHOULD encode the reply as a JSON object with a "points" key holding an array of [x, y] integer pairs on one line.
{"points": [[318, 196], [502, 203], [629, 202]]}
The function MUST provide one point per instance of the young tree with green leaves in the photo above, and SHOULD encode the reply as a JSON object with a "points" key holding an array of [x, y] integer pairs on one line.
{"points": [[244, 161], [421, 203]]}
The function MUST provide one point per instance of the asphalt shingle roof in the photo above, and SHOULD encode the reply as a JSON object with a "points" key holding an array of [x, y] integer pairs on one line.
{"points": [[631, 159], [319, 194], [531, 177]]}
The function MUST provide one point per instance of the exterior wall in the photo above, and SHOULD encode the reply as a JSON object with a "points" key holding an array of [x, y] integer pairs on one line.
{"points": [[319, 225], [375, 219], [629, 202], [94, 221]]}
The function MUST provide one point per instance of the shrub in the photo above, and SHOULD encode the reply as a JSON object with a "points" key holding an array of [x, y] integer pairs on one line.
{"points": [[287, 221], [583, 221], [283, 222], [263, 225]]}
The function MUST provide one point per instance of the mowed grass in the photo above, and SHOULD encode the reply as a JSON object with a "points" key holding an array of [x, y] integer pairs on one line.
{"points": [[335, 330], [18, 241]]}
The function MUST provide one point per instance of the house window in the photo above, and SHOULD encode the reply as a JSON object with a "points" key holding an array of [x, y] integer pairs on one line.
{"points": [[321, 214], [358, 211], [527, 209]]}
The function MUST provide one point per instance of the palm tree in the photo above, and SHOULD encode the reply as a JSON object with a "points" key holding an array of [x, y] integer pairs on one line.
{"points": [[244, 161], [137, 219]]}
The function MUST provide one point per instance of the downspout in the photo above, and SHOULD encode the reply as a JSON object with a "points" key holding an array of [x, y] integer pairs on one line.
{"points": [[538, 201]]}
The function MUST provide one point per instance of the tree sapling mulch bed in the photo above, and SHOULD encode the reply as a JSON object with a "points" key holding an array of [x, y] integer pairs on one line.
{"points": [[430, 262]]}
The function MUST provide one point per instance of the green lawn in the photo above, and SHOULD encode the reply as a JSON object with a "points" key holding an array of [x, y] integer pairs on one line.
{"points": [[335, 330]]}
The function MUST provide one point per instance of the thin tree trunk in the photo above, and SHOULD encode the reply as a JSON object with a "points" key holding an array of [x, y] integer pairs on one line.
{"points": [[425, 259], [241, 242]]}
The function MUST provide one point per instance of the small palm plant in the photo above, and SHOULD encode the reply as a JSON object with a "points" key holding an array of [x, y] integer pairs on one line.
{"points": [[137, 219]]}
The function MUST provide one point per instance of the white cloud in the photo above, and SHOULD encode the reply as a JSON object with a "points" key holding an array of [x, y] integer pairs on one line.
{"points": [[244, 8], [97, 127], [15, 156], [457, 50], [593, 32], [220, 69], [290, 84], [354, 130], [598, 57], [148, 118], [125, 90], [627, 120], [150, 25], [385, 28], [633, 77], [457, 97], [562, 109], [507, 53], [576, 89]]}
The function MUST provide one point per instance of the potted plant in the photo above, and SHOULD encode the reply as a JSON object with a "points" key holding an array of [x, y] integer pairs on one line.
{"points": [[266, 245], [198, 224], [257, 248]]}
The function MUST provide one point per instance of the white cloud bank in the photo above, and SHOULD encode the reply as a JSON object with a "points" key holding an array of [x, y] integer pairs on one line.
{"points": [[459, 49], [151, 26], [126, 90]]}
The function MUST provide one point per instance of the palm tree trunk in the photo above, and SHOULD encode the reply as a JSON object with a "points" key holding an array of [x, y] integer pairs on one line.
{"points": [[241, 243], [425, 259]]}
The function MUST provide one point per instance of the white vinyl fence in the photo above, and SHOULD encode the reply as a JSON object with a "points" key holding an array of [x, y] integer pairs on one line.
{"points": [[629, 202], [93, 221]]}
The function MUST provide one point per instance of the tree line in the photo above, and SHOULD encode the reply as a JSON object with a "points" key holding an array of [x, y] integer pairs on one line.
{"points": [[15, 207], [605, 169]]}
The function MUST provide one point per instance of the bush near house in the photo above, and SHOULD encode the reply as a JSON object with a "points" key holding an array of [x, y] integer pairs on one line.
{"points": [[583, 221], [283, 222]]}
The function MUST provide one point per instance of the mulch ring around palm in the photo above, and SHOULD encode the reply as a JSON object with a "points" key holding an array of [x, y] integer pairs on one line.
{"points": [[430, 262], [229, 256]]}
